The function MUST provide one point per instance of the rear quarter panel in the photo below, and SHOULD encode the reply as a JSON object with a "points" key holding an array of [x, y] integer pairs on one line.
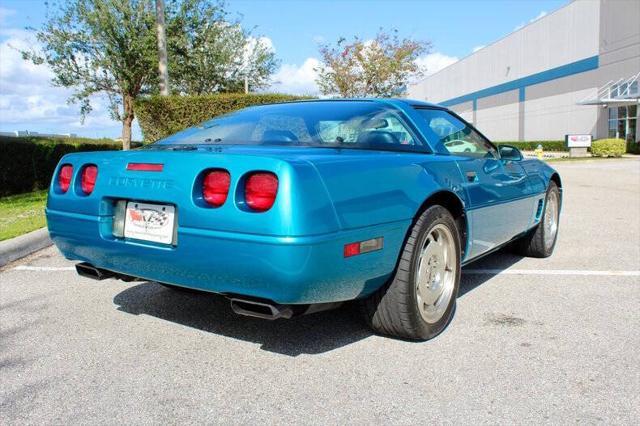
{"points": [[385, 187]]}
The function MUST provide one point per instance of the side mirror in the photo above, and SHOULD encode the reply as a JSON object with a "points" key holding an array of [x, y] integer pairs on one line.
{"points": [[509, 153]]}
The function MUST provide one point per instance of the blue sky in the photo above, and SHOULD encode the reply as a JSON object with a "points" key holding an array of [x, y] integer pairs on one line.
{"points": [[294, 29]]}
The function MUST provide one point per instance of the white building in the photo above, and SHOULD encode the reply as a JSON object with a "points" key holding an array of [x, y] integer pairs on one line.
{"points": [[573, 71]]}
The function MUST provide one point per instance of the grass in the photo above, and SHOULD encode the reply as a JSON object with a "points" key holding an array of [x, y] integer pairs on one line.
{"points": [[22, 213]]}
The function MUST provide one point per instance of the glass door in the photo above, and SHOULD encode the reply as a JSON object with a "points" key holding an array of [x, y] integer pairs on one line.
{"points": [[623, 122]]}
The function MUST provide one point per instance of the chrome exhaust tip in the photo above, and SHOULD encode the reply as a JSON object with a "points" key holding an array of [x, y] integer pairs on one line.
{"points": [[89, 271], [264, 310]]}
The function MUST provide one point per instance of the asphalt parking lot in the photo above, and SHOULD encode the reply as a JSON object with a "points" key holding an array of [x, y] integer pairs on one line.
{"points": [[533, 340]]}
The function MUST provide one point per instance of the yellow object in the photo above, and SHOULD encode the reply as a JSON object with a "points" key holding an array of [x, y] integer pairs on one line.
{"points": [[539, 152]]}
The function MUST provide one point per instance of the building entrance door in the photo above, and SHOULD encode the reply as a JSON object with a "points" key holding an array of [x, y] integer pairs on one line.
{"points": [[623, 122]]}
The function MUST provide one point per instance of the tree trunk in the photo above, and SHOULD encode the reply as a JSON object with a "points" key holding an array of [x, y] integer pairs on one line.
{"points": [[127, 119], [162, 49]]}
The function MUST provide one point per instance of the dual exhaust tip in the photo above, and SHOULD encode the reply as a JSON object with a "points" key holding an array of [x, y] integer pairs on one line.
{"points": [[246, 307], [263, 310], [89, 271]]}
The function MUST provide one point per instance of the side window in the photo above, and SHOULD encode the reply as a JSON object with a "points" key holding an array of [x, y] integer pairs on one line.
{"points": [[456, 136], [383, 128]]}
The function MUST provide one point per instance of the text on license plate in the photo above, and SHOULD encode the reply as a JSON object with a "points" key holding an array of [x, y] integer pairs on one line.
{"points": [[149, 222]]}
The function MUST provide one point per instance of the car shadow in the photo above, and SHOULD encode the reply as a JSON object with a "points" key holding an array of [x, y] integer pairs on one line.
{"points": [[493, 263], [309, 334]]}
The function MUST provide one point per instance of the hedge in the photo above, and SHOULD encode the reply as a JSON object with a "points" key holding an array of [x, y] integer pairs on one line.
{"points": [[556, 146], [633, 147], [60, 140], [161, 116], [27, 164], [608, 148]]}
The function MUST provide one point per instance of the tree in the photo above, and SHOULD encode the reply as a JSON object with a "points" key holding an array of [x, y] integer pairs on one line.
{"points": [[101, 46], [163, 68], [211, 53], [110, 47], [381, 67]]}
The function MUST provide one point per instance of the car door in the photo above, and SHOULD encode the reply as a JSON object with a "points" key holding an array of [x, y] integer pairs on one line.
{"points": [[498, 193]]}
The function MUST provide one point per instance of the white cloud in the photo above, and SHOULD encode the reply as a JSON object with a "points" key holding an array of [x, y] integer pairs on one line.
{"points": [[475, 49], [300, 79], [249, 49], [5, 13], [28, 101], [297, 80], [540, 15], [434, 62], [265, 42]]}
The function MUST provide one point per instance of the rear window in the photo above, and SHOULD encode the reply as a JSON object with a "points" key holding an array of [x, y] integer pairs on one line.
{"points": [[357, 124]]}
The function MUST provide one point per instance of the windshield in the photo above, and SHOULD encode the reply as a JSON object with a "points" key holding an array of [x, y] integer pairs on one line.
{"points": [[356, 124]]}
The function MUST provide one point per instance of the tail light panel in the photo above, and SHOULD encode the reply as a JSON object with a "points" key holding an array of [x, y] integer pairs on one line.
{"points": [[88, 178], [260, 190], [64, 177], [215, 187]]}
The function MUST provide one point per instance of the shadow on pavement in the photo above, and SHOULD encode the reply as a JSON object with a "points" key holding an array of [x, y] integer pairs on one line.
{"points": [[500, 260], [309, 334]]}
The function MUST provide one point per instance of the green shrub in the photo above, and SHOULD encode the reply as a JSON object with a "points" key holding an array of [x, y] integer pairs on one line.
{"points": [[556, 146], [608, 148], [161, 116], [633, 147], [75, 141], [58, 140], [27, 164]]}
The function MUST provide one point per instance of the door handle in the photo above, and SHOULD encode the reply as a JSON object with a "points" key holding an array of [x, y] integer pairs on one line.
{"points": [[472, 176]]}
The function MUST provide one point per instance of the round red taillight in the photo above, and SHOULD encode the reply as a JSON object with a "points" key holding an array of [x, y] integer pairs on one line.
{"points": [[64, 177], [260, 191], [88, 181], [215, 187]]}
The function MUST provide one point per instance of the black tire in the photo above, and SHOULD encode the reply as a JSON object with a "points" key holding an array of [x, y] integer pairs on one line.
{"points": [[393, 310], [540, 242]]}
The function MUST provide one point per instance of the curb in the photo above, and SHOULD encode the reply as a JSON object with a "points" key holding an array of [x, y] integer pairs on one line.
{"points": [[19, 247]]}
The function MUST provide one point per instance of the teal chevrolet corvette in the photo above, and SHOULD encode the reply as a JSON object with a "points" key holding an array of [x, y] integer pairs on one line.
{"points": [[293, 208]]}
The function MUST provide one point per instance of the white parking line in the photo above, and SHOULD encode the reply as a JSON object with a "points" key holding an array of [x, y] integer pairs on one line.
{"points": [[44, 268], [549, 272]]}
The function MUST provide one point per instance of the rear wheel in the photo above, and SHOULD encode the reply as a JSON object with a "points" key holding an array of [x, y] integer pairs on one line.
{"points": [[541, 241], [420, 299]]}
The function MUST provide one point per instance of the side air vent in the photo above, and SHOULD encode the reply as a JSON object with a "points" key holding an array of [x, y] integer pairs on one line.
{"points": [[539, 211]]}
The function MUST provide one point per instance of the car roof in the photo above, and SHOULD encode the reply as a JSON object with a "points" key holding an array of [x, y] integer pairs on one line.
{"points": [[415, 102], [396, 102]]}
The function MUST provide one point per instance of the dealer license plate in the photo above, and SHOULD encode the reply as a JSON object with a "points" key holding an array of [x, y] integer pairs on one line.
{"points": [[150, 222]]}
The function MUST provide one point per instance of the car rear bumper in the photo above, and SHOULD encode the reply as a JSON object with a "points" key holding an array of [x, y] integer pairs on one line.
{"points": [[286, 270]]}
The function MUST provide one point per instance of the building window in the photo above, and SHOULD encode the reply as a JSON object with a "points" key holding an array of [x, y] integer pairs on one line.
{"points": [[622, 122]]}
